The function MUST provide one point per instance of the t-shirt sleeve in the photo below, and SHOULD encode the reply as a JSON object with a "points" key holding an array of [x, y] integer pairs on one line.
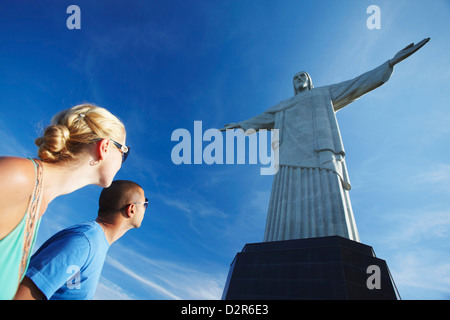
{"points": [[52, 267]]}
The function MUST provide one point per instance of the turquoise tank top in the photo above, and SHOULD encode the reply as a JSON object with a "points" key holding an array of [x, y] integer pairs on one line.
{"points": [[15, 248]]}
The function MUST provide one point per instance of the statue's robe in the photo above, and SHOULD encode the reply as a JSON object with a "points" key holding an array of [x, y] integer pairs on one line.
{"points": [[310, 190]]}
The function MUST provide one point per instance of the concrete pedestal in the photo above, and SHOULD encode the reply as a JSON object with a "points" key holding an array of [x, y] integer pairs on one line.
{"points": [[326, 268]]}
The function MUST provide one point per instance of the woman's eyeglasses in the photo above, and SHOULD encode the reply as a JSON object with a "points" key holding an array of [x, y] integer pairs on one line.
{"points": [[125, 150]]}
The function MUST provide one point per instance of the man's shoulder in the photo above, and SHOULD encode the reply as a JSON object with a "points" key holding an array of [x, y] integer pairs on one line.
{"points": [[76, 233], [83, 227], [91, 230], [79, 238]]}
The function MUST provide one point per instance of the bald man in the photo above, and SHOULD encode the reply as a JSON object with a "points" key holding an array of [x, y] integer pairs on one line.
{"points": [[68, 265]]}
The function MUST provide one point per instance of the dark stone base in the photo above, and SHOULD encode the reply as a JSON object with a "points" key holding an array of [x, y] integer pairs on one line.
{"points": [[326, 268]]}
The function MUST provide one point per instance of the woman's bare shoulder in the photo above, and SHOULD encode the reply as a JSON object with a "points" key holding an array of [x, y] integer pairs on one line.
{"points": [[17, 176], [17, 181]]}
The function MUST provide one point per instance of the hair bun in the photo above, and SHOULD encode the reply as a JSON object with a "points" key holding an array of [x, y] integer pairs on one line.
{"points": [[73, 131], [53, 144]]}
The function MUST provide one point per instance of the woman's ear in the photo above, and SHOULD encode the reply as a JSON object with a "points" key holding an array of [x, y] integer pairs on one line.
{"points": [[102, 149]]}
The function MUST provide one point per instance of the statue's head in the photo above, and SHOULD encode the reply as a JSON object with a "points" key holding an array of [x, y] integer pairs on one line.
{"points": [[302, 82]]}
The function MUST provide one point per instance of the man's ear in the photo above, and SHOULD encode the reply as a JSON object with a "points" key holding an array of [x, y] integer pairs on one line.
{"points": [[131, 210], [102, 148]]}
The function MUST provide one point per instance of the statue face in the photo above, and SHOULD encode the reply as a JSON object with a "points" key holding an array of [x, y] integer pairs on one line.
{"points": [[301, 82]]}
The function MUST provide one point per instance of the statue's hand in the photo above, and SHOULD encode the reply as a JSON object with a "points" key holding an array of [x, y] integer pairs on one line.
{"points": [[230, 126], [407, 51]]}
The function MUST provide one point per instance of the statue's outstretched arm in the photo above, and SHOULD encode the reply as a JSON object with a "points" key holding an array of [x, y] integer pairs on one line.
{"points": [[265, 120], [407, 51], [230, 126], [344, 93]]}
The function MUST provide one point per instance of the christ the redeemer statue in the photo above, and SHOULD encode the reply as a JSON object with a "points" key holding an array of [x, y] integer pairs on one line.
{"points": [[310, 190]]}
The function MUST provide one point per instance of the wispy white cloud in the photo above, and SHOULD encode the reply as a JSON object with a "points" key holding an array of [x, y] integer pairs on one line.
{"points": [[425, 269], [415, 246], [248, 224], [436, 176], [431, 176], [163, 279], [143, 280], [9, 145], [414, 227], [108, 290], [200, 213], [197, 206]]}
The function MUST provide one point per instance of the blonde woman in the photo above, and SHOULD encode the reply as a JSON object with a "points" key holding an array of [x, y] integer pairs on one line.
{"points": [[83, 145]]}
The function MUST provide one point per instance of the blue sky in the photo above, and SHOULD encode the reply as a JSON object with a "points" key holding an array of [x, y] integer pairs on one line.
{"points": [[161, 65]]}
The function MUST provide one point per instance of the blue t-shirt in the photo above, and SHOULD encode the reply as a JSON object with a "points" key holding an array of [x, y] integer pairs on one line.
{"points": [[68, 265]]}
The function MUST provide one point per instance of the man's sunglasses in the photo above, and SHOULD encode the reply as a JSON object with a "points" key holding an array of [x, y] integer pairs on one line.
{"points": [[145, 203]]}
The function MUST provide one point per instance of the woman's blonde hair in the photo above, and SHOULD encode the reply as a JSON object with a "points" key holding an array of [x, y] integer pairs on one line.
{"points": [[72, 129]]}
